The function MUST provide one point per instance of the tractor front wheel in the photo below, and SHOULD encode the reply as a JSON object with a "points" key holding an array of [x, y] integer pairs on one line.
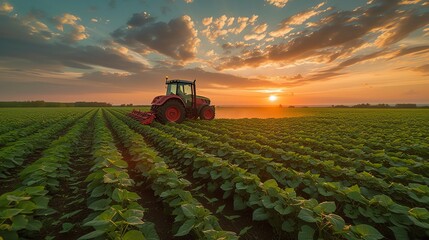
{"points": [[171, 111], [207, 113]]}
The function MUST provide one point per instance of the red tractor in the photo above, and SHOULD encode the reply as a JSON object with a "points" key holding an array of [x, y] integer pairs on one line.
{"points": [[179, 102]]}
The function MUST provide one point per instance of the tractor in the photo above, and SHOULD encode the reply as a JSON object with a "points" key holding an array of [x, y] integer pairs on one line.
{"points": [[179, 102]]}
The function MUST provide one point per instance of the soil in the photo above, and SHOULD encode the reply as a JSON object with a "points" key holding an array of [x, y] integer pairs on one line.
{"points": [[72, 188], [155, 211]]}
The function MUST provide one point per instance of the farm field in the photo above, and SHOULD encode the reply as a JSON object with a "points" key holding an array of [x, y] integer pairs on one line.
{"points": [[94, 173]]}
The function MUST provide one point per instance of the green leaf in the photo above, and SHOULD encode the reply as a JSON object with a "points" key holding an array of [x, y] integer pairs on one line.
{"points": [[133, 220], [14, 198], [149, 231], [8, 213], [27, 206], [220, 208], [101, 204], [271, 183], [118, 195], [98, 191], [244, 230], [66, 227], [232, 217], [41, 201], [336, 221], [259, 215], [419, 213], [189, 210], [133, 235], [92, 235], [400, 233], [71, 214], [306, 233], [36, 190], [19, 222], [288, 225], [366, 232], [283, 211], [34, 225], [185, 228], [238, 203], [307, 215], [327, 207]]}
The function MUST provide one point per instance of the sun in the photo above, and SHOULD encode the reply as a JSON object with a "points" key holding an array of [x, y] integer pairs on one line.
{"points": [[272, 98]]}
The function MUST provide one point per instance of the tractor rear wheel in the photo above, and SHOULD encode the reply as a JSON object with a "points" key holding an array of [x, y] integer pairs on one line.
{"points": [[171, 111], [207, 113]]}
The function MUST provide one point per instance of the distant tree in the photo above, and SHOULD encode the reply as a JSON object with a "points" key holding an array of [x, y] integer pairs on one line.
{"points": [[406, 105]]}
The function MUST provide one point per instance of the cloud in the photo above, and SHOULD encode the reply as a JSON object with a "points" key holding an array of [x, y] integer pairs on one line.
{"points": [[260, 28], [336, 38], [140, 19], [176, 39], [257, 37], [277, 3], [224, 25], [77, 32], [423, 69], [206, 21], [287, 25], [400, 28], [229, 46], [5, 7], [20, 42], [205, 79]]}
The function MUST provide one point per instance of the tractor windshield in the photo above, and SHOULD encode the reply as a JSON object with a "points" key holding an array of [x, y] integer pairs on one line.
{"points": [[171, 88]]}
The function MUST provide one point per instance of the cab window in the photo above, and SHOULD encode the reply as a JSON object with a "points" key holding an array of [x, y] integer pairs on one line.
{"points": [[171, 89], [187, 89]]}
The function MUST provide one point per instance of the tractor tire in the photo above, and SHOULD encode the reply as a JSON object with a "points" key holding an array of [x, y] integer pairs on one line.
{"points": [[171, 111], [207, 113]]}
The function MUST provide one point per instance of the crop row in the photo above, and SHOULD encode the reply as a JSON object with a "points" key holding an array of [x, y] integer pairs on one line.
{"points": [[116, 212], [14, 154], [15, 118], [347, 176], [394, 172], [281, 207], [30, 201], [340, 137], [378, 209], [16, 134], [188, 212]]}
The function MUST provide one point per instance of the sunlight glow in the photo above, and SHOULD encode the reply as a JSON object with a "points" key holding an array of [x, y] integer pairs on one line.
{"points": [[272, 98]]}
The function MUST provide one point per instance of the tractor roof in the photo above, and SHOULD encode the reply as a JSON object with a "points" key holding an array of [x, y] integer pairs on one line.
{"points": [[179, 81]]}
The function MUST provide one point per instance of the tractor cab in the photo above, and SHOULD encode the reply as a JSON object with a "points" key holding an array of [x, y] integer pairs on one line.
{"points": [[183, 89]]}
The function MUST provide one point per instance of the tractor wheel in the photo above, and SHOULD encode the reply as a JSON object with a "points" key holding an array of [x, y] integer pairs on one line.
{"points": [[171, 111], [207, 113]]}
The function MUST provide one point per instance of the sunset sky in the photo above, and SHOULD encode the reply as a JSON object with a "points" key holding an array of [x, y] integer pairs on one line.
{"points": [[242, 52]]}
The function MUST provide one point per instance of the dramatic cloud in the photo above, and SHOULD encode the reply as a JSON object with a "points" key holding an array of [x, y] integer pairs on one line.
{"points": [[287, 25], [277, 3], [342, 33], [78, 31], [19, 41], [176, 39]]}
